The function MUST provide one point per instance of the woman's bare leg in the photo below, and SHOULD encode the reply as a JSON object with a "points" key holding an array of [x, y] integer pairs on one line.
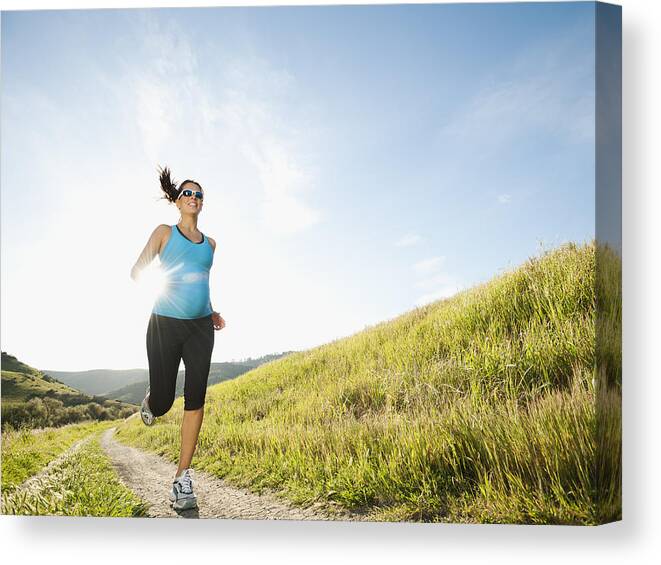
{"points": [[190, 429]]}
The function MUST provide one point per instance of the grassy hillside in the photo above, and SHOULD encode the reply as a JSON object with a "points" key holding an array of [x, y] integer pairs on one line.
{"points": [[32, 399], [478, 408], [10, 363], [20, 387]]}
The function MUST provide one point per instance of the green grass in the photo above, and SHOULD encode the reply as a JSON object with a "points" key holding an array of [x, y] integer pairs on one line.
{"points": [[608, 459], [26, 452], [18, 387], [478, 408], [10, 363], [20, 382], [83, 484]]}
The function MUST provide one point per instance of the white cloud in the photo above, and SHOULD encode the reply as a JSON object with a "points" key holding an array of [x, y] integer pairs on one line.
{"points": [[548, 88], [430, 278], [511, 108], [433, 281], [427, 266], [443, 292], [504, 198], [408, 240], [236, 120], [283, 181], [158, 110]]}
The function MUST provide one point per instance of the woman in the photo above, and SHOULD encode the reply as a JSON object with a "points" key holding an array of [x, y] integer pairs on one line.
{"points": [[181, 325]]}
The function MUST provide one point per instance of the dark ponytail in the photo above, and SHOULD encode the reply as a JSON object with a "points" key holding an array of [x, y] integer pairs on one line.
{"points": [[169, 186]]}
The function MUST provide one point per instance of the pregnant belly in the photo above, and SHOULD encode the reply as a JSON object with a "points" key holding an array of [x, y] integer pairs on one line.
{"points": [[185, 298]]}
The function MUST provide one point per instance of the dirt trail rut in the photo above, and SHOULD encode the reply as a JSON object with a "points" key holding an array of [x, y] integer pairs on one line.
{"points": [[150, 476], [37, 482]]}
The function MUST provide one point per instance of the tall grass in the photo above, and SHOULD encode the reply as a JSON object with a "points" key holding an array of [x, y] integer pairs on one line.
{"points": [[608, 458], [82, 484], [25, 452], [478, 408]]}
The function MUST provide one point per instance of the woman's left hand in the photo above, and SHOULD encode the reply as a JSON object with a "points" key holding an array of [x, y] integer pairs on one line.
{"points": [[218, 322]]}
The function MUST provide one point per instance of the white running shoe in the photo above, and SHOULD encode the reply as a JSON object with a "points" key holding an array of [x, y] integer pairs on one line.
{"points": [[145, 413], [182, 496]]}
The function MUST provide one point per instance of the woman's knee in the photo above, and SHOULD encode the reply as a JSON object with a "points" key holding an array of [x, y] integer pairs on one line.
{"points": [[194, 403], [160, 406]]}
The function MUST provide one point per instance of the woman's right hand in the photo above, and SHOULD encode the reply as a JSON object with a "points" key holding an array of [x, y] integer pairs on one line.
{"points": [[218, 321]]}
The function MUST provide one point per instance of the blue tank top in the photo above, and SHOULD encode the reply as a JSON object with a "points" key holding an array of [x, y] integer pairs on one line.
{"points": [[187, 266]]}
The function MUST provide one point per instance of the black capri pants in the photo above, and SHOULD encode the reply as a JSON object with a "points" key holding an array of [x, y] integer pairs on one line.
{"points": [[169, 340]]}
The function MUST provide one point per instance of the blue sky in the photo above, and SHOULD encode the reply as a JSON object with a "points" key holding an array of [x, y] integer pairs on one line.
{"points": [[358, 161]]}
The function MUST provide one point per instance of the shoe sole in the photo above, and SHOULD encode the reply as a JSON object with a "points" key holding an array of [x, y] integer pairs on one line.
{"points": [[147, 420], [184, 504]]}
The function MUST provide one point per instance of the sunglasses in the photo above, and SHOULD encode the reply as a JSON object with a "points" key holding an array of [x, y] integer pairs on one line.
{"points": [[188, 192]]}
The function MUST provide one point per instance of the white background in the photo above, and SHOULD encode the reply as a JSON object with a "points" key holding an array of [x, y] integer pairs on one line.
{"points": [[89, 540]]}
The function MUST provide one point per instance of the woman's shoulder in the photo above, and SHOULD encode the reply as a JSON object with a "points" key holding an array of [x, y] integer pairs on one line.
{"points": [[161, 235], [163, 229], [212, 241]]}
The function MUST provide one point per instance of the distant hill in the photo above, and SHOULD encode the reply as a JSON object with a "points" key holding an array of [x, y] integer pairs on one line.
{"points": [[128, 385], [33, 399], [219, 372], [252, 363], [21, 386], [99, 381]]}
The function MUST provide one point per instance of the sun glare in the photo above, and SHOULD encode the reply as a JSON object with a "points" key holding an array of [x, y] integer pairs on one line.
{"points": [[153, 281]]}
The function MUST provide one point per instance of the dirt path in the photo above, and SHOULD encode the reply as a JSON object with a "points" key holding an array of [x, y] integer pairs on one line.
{"points": [[150, 477]]}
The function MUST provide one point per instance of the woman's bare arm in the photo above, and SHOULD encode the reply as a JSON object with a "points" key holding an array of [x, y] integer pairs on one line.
{"points": [[218, 321], [150, 251]]}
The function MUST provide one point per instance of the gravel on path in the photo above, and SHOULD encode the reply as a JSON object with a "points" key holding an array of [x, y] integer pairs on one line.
{"points": [[150, 477]]}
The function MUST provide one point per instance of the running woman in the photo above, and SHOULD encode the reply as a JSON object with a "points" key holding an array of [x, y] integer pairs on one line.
{"points": [[181, 325]]}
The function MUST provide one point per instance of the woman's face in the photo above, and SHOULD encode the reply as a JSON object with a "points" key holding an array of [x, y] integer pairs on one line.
{"points": [[190, 204]]}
